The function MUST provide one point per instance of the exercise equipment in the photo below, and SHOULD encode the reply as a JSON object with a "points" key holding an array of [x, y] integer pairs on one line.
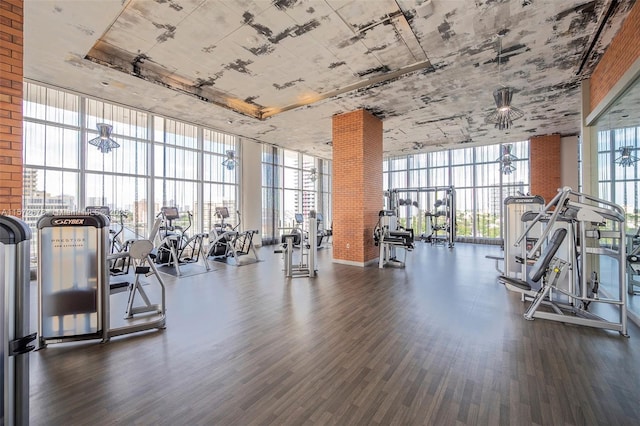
{"points": [[517, 212], [584, 229], [299, 234], [633, 263], [389, 236], [15, 237], [306, 267], [73, 279], [225, 241], [322, 232], [117, 244], [175, 247], [440, 219], [297, 230], [141, 253]]}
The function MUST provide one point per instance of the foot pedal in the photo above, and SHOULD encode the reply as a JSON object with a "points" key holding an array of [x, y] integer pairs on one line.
{"points": [[115, 286], [142, 269]]}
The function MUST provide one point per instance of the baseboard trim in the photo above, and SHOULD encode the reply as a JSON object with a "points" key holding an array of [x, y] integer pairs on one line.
{"points": [[360, 264]]}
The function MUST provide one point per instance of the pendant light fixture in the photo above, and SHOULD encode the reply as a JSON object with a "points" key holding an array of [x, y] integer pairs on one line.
{"points": [[504, 114], [626, 159], [104, 142], [506, 160], [313, 174], [230, 162]]}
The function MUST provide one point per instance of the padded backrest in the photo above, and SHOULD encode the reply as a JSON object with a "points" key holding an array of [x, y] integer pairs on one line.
{"points": [[541, 265]]}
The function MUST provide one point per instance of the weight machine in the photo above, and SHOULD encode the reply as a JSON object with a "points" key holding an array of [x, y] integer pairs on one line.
{"points": [[175, 247], [73, 281], [518, 211], [440, 221], [389, 237], [225, 241], [585, 228], [299, 234], [308, 251], [141, 254]]}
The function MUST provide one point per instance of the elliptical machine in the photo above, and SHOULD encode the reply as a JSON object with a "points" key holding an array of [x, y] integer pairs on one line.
{"points": [[221, 235], [175, 246], [117, 244], [225, 241]]}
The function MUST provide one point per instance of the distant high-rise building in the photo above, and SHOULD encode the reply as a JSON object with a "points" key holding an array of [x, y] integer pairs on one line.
{"points": [[97, 201], [29, 182], [40, 202]]}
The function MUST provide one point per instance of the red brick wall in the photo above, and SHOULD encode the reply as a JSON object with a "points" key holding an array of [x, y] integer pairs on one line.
{"points": [[544, 165], [623, 51], [357, 185], [11, 49]]}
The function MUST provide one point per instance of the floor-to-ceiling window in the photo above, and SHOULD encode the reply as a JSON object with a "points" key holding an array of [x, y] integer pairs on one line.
{"points": [[475, 173], [617, 182], [271, 194], [118, 179], [175, 167], [292, 183], [325, 185], [158, 162], [219, 177], [51, 134]]}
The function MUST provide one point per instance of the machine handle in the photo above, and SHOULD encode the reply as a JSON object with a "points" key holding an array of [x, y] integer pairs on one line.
{"points": [[20, 346]]}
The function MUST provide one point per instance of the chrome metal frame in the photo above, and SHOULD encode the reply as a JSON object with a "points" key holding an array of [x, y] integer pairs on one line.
{"points": [[592, 219]]}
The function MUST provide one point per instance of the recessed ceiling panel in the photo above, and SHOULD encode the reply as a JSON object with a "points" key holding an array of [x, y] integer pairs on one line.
{"points": [[259, 58]]}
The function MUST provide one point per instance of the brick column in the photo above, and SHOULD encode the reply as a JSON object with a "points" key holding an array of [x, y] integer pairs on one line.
{"points": [[545, 166], [623, 51], [357, 186], [11, 72]]}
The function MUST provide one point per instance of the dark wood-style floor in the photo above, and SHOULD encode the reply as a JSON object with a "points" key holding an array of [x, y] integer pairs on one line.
{"points": [[437, 343]]}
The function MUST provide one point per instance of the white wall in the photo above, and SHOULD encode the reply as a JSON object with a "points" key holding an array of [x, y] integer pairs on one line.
{"points": [[569, 162], [251, 188]]}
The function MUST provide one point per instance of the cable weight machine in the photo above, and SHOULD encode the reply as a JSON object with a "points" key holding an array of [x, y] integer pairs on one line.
{"points": [[439, 221]]}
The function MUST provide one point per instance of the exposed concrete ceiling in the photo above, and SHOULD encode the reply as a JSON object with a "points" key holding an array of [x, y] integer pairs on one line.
{"points": [[277, 71]]}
